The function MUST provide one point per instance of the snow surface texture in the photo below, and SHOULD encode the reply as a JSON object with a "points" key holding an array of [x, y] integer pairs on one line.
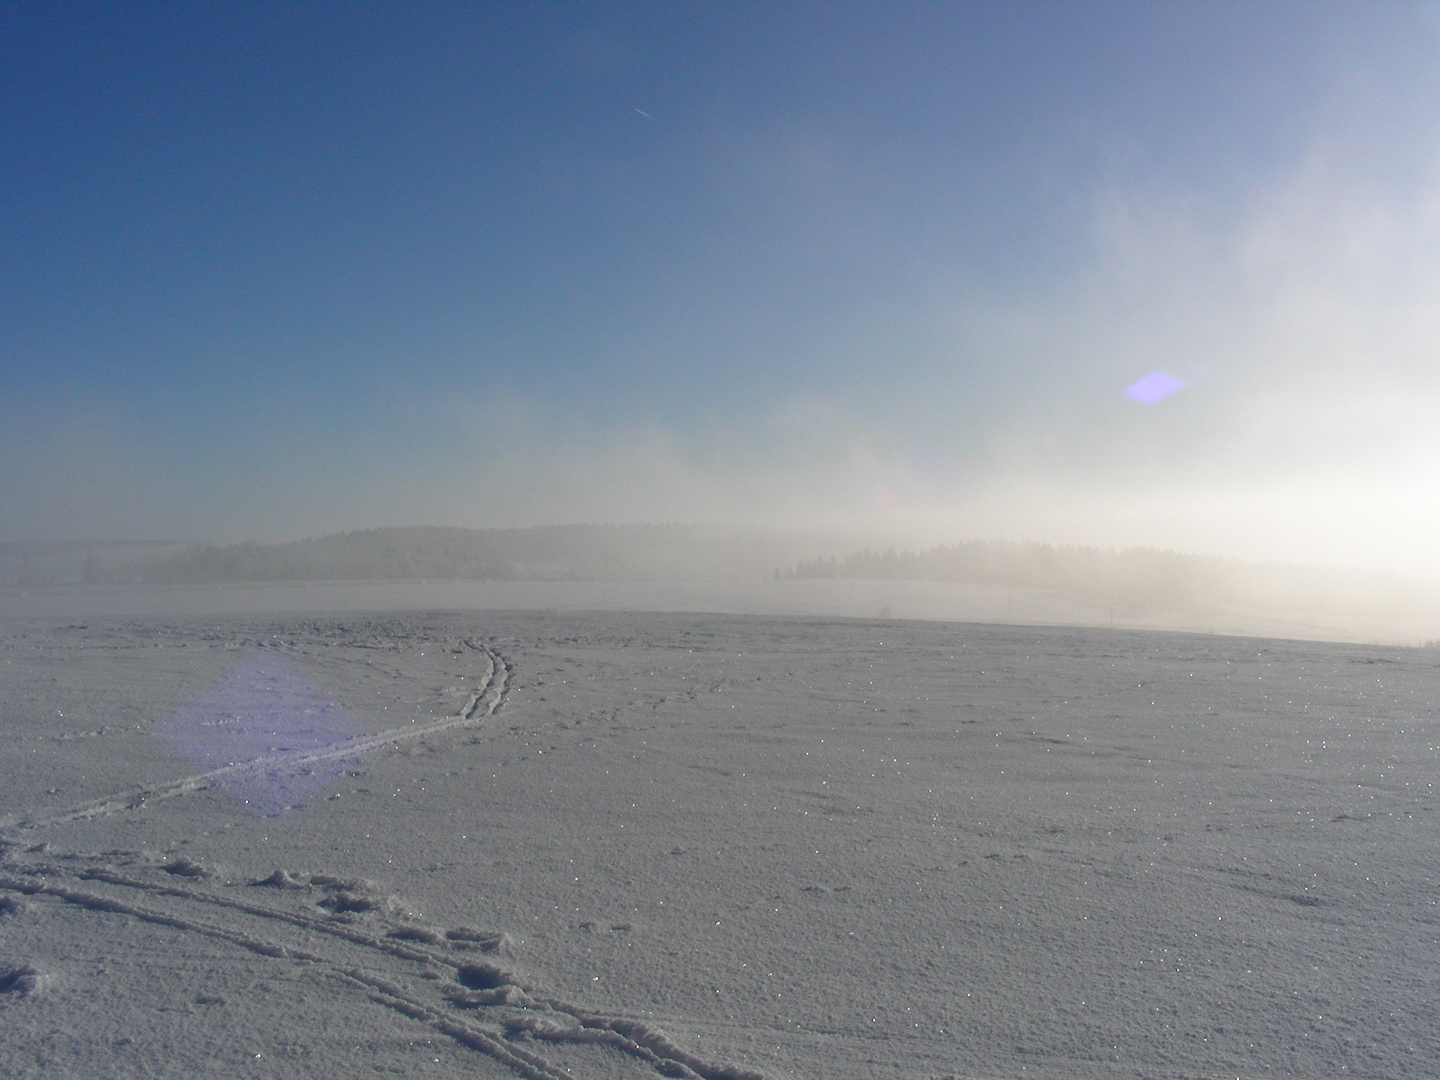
{"points": [[630, 845]]}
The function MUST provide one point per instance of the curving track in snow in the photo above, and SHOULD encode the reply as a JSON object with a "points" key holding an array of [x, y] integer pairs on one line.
{"points": [[484, 701], [454, 980]]}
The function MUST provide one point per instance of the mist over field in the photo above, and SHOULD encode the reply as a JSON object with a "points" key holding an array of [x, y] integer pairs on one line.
{"points": [[867, 541], [1177, 293], [1063, 584]]}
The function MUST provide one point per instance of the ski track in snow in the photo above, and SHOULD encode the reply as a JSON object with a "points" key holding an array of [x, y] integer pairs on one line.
{"points": [[483, 702], [454, 980]]}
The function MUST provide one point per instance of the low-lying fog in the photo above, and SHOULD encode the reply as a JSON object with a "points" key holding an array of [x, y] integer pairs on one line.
{"points": [[715, 568]]}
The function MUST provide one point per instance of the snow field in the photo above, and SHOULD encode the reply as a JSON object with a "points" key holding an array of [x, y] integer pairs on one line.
{"points": [[638, 844]]}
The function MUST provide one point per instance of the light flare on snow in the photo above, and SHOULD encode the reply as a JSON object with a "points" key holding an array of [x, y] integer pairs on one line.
{"points": [[261, 709]]}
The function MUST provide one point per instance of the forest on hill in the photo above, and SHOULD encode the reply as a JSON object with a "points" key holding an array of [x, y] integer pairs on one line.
{"points": [[540, 553], [1133, 580]]}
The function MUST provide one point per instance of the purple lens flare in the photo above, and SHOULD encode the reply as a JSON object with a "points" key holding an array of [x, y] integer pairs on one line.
{"points": [[1155, 386], [263, 709]]}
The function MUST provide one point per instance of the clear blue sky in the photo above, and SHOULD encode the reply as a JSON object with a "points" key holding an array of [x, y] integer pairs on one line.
{"points": [[274, 270]]}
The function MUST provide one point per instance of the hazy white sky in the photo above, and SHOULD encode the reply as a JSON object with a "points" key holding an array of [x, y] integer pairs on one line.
{"points": [[890, 267]]}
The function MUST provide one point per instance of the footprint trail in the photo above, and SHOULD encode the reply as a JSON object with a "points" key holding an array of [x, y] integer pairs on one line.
{"points": [[456, 980]]}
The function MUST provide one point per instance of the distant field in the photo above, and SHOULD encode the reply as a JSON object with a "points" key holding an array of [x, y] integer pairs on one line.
{"points": [[850, 598]]}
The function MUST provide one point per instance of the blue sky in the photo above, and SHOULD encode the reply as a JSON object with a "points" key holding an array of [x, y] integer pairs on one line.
{"points": [[271, 271]]}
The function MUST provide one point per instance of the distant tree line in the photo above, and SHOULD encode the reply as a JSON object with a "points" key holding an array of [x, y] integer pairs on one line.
{"points": [[541, 553], [1132, 580], [73, 562]]}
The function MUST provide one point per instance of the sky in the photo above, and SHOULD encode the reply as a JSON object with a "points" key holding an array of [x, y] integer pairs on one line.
{"points": [[1162, 274]]}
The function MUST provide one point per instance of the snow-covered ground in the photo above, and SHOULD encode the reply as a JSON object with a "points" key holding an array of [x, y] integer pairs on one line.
{"points": [[928, 600], [630, 844]]}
